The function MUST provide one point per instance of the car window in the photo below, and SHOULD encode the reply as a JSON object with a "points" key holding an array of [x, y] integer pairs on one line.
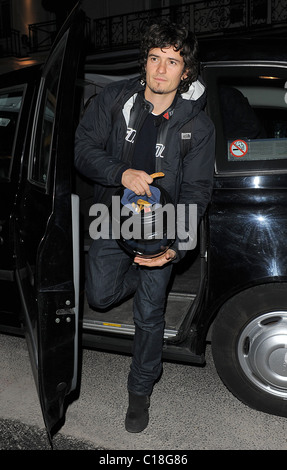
{"points": [[11, 100], [44, 124], [249, 108]]}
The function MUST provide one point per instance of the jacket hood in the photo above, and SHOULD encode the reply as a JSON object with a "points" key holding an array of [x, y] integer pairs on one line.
{"points": [[187, 105], [195, 91], [193, 101]]}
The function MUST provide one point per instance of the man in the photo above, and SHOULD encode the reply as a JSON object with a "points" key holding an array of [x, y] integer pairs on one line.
{"points": [[129, 131]]}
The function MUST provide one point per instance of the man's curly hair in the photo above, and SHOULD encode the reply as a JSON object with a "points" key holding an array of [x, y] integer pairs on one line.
{"points": [[162, 35]]}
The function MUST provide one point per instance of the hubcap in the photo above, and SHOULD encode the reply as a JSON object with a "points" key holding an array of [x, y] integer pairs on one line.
{"points": [[262, 352]]}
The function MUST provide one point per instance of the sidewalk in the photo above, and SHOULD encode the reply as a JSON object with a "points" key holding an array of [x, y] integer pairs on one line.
{"points": [[190, 409]]}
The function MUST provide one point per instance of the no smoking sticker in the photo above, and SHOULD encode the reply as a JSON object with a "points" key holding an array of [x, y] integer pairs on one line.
{"points": [[238, 148]]}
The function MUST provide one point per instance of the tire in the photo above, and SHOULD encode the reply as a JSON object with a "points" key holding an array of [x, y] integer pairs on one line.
{"points": [[249, 347]]}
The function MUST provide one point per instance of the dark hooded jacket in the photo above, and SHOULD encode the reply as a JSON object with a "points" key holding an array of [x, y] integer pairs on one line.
{"points": [[106, 134]]}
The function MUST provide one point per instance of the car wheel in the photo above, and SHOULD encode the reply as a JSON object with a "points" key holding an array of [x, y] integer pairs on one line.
{"points": [[249, 347]]}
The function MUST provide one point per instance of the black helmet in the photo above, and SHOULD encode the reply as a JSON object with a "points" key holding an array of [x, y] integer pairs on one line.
{"points": [[151, 220]]}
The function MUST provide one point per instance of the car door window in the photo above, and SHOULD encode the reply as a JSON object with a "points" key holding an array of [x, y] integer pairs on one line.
{"points": [[11, 100], [249, 108], [41, 149]]}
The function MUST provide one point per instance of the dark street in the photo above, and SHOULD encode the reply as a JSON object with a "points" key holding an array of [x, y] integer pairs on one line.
{"points": [[190, 409]]}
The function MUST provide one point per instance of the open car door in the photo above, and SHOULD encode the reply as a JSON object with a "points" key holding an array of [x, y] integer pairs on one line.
{"points": [[45, 227]]}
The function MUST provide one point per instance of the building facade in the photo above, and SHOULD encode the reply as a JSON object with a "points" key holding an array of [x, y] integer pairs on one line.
{"points": [[27, 27]]}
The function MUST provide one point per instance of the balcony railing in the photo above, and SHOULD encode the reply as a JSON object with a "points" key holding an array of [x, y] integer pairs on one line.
{"points": [[13, 42], [42, 35], [217, 17], [205, 18], [10, 45]]}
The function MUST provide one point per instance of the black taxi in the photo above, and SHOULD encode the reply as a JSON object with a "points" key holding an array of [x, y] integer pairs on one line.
{"points": [[231, 290]]}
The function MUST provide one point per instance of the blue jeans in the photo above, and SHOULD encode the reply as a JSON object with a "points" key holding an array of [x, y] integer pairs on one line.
{"points": [[111, 276]]}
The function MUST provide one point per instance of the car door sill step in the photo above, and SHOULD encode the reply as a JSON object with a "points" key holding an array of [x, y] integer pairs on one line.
{"points": [[108, 327], [119, 319]]}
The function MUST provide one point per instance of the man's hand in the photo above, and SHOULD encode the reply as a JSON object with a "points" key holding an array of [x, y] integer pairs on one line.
{"points": [[138, 181], [166, 257]]}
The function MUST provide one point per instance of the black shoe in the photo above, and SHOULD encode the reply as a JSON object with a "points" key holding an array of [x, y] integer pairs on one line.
{"points": [[137, 416]]}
